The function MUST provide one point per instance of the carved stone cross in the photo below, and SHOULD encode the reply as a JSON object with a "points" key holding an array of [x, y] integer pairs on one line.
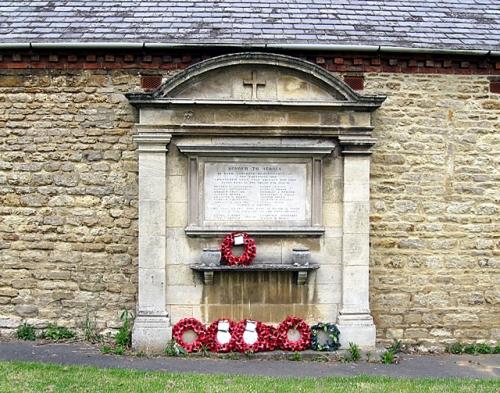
{"points": [[254, 83]]}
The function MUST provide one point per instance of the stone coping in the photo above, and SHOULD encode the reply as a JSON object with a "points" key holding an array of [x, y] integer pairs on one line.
{"points": [[271, 267], [301, 279]]}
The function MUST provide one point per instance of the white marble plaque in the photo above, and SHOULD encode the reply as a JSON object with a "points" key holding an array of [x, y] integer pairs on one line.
{"points": [[239, 191]]}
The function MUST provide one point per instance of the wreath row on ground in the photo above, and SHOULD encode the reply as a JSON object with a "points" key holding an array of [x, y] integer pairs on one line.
{"points": [[269, 338]]}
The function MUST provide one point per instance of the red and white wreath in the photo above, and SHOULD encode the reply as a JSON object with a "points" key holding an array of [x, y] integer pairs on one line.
{"points": [[238, 238], [294, 323], [220, 336], [272, 338], [253, 336], [189, 324]]}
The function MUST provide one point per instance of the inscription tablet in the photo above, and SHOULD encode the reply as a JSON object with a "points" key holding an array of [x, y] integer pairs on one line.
{"points": [[239, 191]]}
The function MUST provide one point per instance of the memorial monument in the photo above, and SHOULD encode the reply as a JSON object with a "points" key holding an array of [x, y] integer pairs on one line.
{"points": [[266, 144]]}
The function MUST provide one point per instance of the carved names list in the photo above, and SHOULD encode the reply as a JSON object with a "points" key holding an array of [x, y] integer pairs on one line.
{"points": [[255, 191]]}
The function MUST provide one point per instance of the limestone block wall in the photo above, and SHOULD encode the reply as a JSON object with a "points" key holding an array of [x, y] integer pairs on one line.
{"points": [[435, 272], [68, 195]]}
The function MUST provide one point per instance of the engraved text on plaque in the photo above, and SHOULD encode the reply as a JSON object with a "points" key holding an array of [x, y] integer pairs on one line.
{"points": [[239, 191]]}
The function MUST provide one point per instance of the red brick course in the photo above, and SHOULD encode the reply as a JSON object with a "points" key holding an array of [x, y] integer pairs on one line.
{"points": [[334, 62]]}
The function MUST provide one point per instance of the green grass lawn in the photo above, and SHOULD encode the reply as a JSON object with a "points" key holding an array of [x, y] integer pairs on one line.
{"points": [[35, 377]]}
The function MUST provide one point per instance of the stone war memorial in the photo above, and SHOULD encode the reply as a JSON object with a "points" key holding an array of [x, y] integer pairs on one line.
{"points": [[214, 179], [264, 144]]}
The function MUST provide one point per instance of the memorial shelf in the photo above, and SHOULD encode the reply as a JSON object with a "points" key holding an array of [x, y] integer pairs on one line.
{"points": [[302, 271]]}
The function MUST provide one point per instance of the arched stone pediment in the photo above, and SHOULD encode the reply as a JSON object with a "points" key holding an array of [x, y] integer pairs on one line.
{"points": [[257, 77], [244, 82], [256, 94]]}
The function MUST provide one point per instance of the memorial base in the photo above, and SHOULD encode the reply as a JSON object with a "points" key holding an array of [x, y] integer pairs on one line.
{"points": [[151, 333], [358, 329]]}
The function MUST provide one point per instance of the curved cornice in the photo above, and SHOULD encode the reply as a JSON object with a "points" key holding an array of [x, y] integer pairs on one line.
{"points": [[166, 92]]}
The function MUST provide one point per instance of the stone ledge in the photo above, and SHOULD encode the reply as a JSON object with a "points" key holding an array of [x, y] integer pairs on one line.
{"points": [[208, 271], [290, 231]]}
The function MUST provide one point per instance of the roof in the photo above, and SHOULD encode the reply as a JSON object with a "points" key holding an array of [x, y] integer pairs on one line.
{"points": [[446, 24]]}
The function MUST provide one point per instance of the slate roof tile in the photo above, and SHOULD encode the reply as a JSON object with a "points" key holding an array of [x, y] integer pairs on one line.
{"points": [[448, 24]]}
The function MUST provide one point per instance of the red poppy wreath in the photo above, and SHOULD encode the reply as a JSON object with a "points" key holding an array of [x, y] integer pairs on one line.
{"points": [[252, 336], [185, 325], [294, 323], [272, 339], [220, 336], [237, 238]]}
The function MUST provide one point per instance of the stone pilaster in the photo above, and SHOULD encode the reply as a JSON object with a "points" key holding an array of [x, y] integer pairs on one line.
{"points": [[355, 321], [152, 328]]}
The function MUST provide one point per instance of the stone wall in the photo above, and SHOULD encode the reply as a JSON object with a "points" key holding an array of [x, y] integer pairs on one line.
{"points": [[435, 214], [68, 194]]}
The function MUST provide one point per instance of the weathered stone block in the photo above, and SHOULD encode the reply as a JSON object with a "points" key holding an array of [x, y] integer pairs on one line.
{"points": [[332, 214], [177, 189], [176, 215], [26, 310], [416, 333]]}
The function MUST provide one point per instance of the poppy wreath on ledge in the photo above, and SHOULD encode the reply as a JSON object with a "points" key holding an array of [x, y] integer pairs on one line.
{"points": [[332, 333], [298, 324], [263, 332], [213, 344], [248, 255], [185, 325]]}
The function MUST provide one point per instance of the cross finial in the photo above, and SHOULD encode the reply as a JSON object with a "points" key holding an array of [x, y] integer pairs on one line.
{"points": [[254, 83]]}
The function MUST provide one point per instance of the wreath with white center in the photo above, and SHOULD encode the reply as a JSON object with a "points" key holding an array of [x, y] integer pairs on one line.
{"points": [[220, 336], [189, 324], [294, 323], [253, 336], [238, 238]]}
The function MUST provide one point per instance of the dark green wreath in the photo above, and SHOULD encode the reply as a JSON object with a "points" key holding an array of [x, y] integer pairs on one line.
{"points": [[331, 331]]}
